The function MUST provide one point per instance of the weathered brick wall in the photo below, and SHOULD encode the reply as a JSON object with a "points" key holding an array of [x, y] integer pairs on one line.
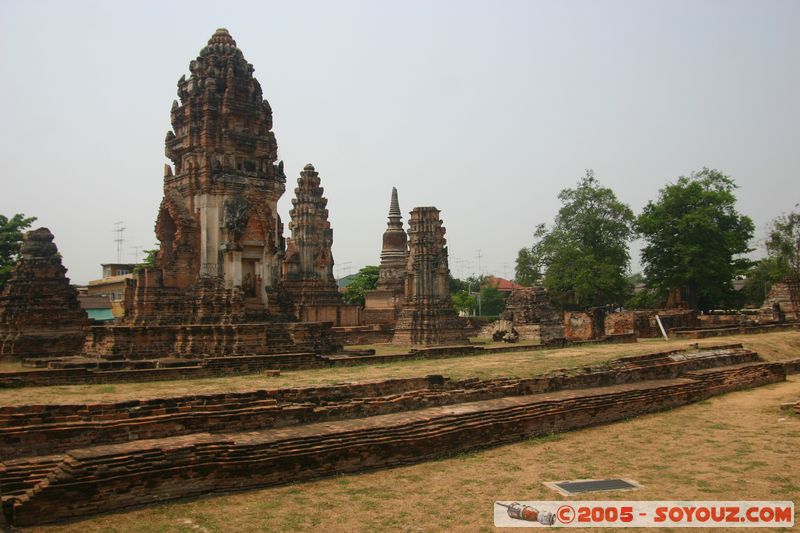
{"points": [[580, 326], [355, 335], [132, 342], [49, 429], [116, 476], [620, 323], [722, 331]]}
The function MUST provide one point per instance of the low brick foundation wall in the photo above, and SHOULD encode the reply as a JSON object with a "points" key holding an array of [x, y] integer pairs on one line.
{"points": [[704, 333], [355, 335], [91, 480], [239, 365], [132, 342], [52, 428]]}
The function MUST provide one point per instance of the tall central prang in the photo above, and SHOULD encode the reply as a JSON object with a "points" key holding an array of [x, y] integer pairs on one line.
{"points": [[219, 214], [215, 286]]}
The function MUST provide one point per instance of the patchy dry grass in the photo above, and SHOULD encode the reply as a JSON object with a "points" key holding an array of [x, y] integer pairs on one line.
{"points": [[6, 366], [771, 346], [736, 446]]}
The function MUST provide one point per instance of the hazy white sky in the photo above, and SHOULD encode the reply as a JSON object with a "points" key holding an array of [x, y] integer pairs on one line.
{"points": [[483, 109]]}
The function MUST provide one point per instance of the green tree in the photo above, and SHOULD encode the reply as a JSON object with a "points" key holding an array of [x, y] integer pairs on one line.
{"points": [[493, 302], [782, 261], [527, 271], [365, 280], [149, 260], [692, 235], [760, 277], [455, 285], [585, 253], [10, 240], [783, 242], [464, 302]]}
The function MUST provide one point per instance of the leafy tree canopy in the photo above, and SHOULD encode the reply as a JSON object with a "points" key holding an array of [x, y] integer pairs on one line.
{"points": [[493, 302], [149, 260], [783, 242], [365, 280], [584, 254], [10, 240], [464, 302], [528, 270], [692, 235]]}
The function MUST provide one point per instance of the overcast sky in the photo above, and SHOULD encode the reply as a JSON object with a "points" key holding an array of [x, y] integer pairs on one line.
{"points": [[483, 109]]}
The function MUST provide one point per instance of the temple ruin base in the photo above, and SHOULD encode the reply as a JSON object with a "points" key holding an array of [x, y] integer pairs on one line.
{"points": [[138, 342], [149, 451]]}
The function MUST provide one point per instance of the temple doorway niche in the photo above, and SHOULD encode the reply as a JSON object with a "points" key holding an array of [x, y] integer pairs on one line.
{"points": [[250, 279]]}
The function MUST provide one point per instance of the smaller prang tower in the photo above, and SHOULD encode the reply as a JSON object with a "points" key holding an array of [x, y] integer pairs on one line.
{"points": [[382, 306], [427, 316], [307, 270], [39, 310]]}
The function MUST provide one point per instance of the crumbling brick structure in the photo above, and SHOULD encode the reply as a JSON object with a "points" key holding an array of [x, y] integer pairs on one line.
{"points": [[782, 301], [39, 310], [531, 314], [382, 306], [307, 270], [221, 238], [427, 316], [148, 451]]}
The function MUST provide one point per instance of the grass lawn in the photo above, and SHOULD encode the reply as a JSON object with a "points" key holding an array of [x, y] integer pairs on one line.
{"points": [[771, 346], [737, 446]]}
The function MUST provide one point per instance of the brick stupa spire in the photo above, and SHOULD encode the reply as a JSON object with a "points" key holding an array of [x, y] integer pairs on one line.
{"points": [[39, 310]]}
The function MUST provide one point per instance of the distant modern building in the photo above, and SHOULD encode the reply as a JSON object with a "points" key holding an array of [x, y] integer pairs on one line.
{"points": [[502, 284], [111, 287], [98, 308]]}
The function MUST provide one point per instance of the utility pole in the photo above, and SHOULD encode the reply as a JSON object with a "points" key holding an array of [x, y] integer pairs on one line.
{"points": [[119, 229], [136, 251], [480, 273]]}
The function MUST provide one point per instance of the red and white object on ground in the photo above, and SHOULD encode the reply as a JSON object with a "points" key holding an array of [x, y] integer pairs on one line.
{"points": [[721, 514]]}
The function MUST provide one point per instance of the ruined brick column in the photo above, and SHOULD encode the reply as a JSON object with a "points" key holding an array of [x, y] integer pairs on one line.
{"points": [[531, 314], [427, 316], [307, 270], [383, 305], [39, 310]]}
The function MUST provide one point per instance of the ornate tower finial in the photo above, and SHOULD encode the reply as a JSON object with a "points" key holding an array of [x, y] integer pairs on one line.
{"points": [[221, 36], [394, 207]]}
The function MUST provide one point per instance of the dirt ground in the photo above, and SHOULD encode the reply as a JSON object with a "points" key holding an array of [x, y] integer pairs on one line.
{"points": [[738, 446], [771, 346]]}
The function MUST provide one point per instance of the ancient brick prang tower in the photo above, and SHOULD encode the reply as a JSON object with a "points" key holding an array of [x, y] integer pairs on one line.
{"points": [[220, 233], [383, 304], [39, 310], [307, 271], [219, 213], [427, 316], [221, 237]]}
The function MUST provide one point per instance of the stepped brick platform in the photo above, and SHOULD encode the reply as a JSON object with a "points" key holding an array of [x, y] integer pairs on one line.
{"points": [[722, 331], [67, 461], [141, 367], [191, 340]]}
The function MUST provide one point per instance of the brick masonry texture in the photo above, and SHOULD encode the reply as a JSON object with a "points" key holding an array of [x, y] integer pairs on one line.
{"points": [[39, 309], [200, 444]]}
